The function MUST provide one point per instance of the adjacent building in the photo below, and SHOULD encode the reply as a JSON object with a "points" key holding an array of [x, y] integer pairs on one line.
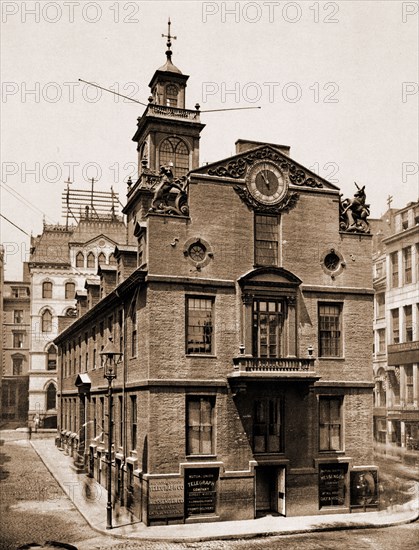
{"points": [[61, 258], [242, 305], [396, 330]]}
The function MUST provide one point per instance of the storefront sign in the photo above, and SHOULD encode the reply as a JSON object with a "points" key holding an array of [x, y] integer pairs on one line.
{"points": [[332, 484], [201, 494], [165, 498]]}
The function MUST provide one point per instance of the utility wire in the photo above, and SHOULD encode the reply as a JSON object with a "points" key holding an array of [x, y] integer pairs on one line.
{"points": [[20, 229]]}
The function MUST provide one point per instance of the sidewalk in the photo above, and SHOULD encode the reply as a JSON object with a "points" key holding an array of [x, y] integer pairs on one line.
{"points": [[94, 511]]}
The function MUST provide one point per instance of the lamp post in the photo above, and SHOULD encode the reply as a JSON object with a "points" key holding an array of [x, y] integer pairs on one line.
{"points": [[111, 358]]}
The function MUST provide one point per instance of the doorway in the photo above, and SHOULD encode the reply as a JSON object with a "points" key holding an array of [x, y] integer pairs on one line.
{"points": [[270, 490]]}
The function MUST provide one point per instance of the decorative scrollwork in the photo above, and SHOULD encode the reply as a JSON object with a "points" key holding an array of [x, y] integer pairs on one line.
{"points": [[237, 168], [289, 201]]}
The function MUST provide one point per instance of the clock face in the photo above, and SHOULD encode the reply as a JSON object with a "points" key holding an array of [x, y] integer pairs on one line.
{"points": [[266, 182]]}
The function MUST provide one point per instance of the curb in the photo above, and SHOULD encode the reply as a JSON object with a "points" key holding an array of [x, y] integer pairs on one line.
{"points": [[339, 526]]}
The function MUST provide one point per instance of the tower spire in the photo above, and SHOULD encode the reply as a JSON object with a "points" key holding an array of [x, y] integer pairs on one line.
{"points": [[169, 41]]}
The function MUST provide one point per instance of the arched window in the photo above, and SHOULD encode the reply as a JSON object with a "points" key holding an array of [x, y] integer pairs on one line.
{"points": [[112, 260], [171, 95], [70, 289], [174, 150], [47, 289], [91, 261], [52, 358], [101, 259], [46, 321], [51, 397], [79, 259]]}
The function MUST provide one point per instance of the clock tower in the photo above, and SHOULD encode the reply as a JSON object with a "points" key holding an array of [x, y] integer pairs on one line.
{"points": [[168, 132]]}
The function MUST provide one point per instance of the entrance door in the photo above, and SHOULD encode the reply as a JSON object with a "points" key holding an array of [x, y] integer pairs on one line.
{"points": [[270, 490]]}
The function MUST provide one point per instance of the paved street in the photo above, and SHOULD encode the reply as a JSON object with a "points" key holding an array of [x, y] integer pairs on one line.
{"points": [[35, 509]]}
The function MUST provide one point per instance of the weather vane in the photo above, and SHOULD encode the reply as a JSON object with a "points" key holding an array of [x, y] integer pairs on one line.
{"points": [[169, 39]]}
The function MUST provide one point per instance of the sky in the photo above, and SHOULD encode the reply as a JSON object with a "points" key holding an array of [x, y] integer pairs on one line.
{"points": [[337, 81]]}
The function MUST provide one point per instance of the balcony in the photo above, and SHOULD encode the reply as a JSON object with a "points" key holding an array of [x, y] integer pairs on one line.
{"points": [[278, 368], [172, 112]]}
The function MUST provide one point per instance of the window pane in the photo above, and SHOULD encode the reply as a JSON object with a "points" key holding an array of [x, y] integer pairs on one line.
{"points": [[200, 325], [330, 330]]}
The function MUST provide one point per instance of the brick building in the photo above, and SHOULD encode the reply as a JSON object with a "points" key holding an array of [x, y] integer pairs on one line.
{"points": [[396, 332], [15, 348], [243, 307]]}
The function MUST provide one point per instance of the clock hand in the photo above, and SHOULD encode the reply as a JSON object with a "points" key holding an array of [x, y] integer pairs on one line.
{"points": [[265, 180]]}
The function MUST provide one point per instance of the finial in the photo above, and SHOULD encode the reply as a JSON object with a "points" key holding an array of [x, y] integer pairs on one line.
{"points": [[169, 40]]}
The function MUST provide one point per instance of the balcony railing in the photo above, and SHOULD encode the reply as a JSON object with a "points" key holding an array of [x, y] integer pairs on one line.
{"points": [[244, 365], [172, 112]]}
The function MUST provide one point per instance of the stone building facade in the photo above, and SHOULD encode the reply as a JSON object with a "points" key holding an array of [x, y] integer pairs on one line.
{"points": [[61, 259], [15, 348], [242, 307], [396, 332]]}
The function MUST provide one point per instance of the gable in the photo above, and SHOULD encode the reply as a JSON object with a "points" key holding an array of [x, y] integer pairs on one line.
{"points": [[237, 166], [270, 276]]}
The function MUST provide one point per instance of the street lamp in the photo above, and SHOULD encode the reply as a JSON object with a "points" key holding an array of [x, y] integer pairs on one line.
{"points": [[111, 358]]}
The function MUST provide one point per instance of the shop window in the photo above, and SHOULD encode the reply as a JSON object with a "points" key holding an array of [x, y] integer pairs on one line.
{"points": [[266, 240], [200, 425], [46, 321], [47, 290], [330, 423], [70, 291], [330, 330], [199, 325], [173, 150], [267, 426]]}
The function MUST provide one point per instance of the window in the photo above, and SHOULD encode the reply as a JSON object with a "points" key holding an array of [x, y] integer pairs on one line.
{"points": [[394, 260], [408, 325], [267, 426], [79, 259], [19, 292], [51, 396], [171, 95], [380, 305], [395, 329], [174, 150], [121, 421], [266, 240], [112, 260], [133, 422], [52, 358], [408, 371], [94, 407], [405, 219], [46, 321], [200, 422], [134, 342], [101, 259], [330, 330], [199, 325], [47, 290], [330, 423], [17, 366], [268, 320], [381, 332], [102, 418], [407, 265], [91, 260], [18, 339], [18, 316], [70, 291]]}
